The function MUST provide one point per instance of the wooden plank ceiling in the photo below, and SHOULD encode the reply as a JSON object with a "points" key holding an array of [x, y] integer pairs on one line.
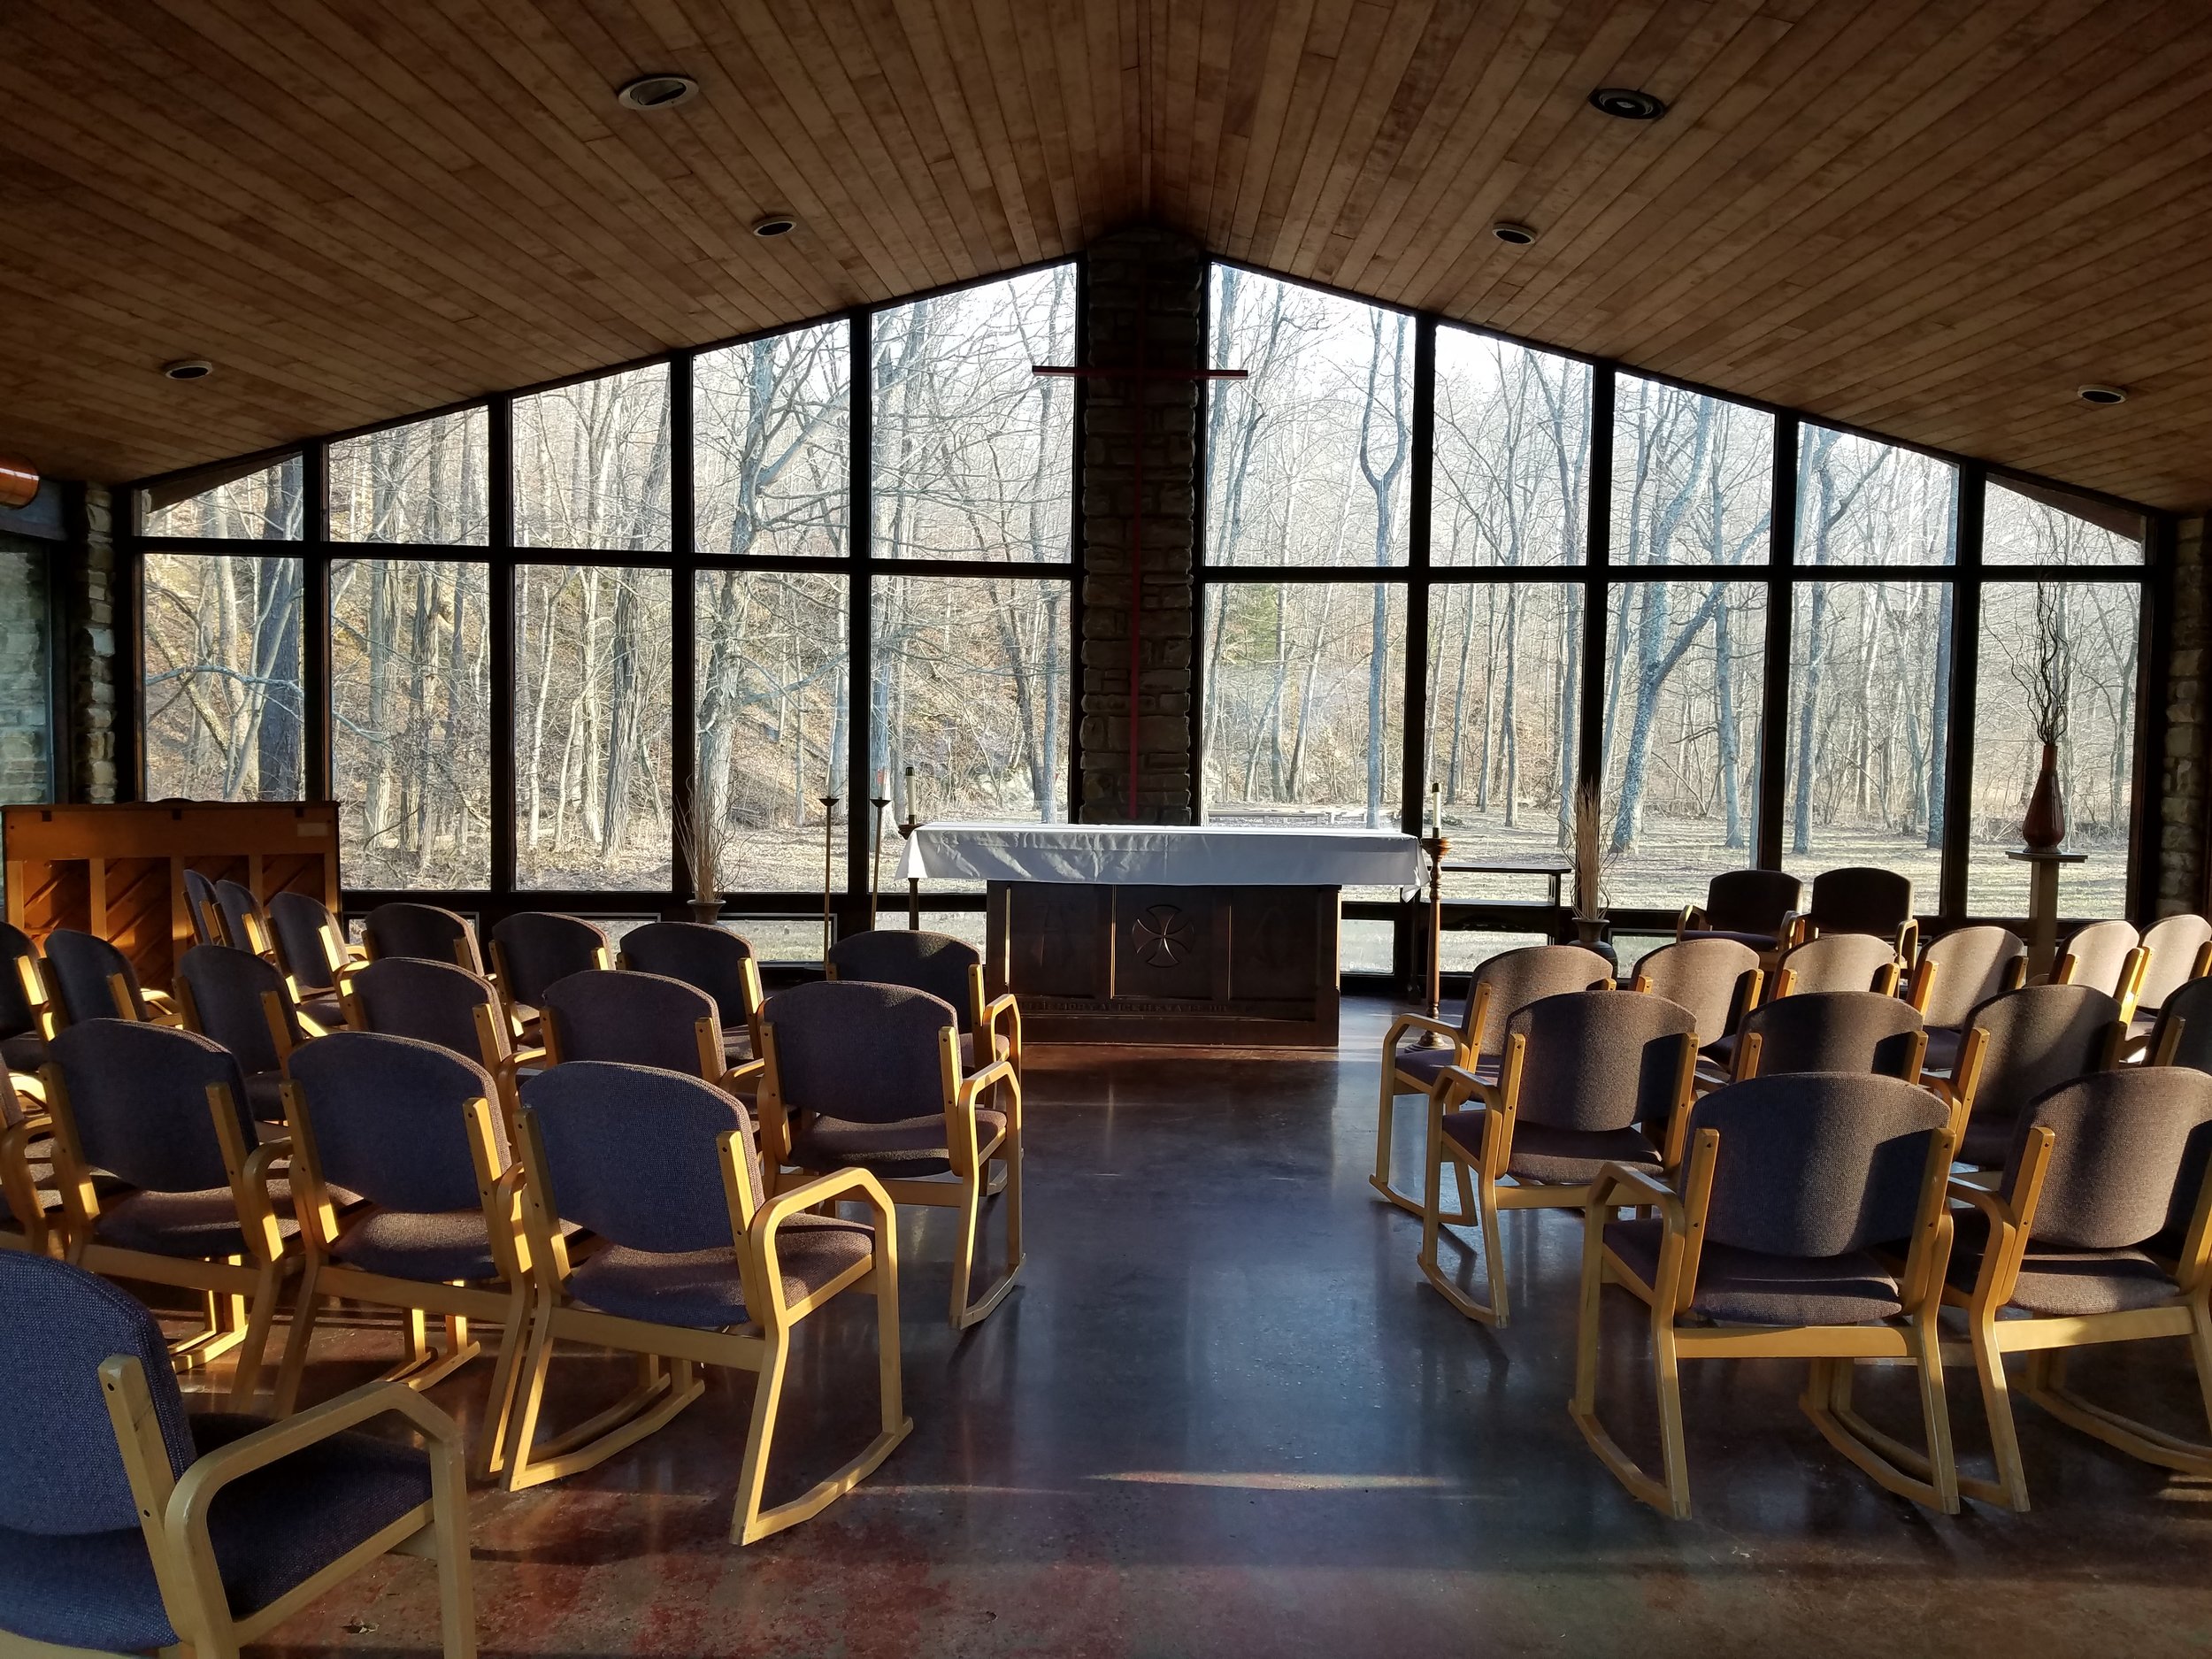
{"points": [[1931, 218]]}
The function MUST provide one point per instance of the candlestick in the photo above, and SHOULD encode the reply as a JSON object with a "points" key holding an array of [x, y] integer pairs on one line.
{"points": [[829, 864], [875, 858], [913, 883]]}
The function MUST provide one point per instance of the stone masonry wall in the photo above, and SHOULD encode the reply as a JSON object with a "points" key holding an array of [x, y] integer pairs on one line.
{"points": [[1146, 294], [24, 740], [95, 772], [2182, 787]]}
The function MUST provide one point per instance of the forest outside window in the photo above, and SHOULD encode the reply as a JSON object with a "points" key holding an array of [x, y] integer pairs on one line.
{"points": [[224, 712], [770, 441], [1511, 484], [249, 501], [591, 464], [1861, 502], [1693, 477], [410, 730], [972, 452], [1309, 460], [2025, 523], [592, 808], [772, 661], [427, 482]]}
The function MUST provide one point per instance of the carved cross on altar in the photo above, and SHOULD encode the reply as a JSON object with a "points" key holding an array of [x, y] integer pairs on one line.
{"points": [[1141, 373]]}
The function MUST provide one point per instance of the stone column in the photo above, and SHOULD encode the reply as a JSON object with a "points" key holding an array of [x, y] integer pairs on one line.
{"points": [[2182, 818], [95, 772], [1145, 301]]}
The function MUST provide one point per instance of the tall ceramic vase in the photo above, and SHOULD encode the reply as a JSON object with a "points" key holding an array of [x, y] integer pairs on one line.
{"points": [[2045, 825], [706, 910]]}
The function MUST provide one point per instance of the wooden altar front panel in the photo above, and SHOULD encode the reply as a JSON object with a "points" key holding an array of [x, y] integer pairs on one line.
{"points": [[1233, 967], [118, 871]]}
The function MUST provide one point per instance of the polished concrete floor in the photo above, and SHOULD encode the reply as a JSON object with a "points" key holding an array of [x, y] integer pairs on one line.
{"points": [[1224, 1415]]}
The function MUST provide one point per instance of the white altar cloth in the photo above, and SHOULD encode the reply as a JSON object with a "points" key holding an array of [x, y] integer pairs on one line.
{"points": [[1131, 854]]}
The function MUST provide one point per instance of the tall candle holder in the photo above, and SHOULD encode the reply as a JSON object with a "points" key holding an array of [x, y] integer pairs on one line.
{"points": [[829, 868], [875, 858], [906, 833]]}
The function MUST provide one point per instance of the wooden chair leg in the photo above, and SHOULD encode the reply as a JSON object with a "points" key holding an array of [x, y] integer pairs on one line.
{"points": [[529, 1388], [1493, 1245], [1673, 1453], [2010, 1488], [306, 1307], [753, 1471], [268, 1287], [499, 1400]]}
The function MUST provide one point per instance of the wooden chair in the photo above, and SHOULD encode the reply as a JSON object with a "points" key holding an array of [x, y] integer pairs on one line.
{"points": [[1837, 962], [867, 1076], [312, 948], [698, 1264], [245, 924], [245, 1003], [947, 968], [87, 977], [404, 928], [2018, 1045], [1955, 975], [410, 1128], [442, 1003], [162, 1112], [2101, 1230], [2181, 1034], [200, 909], [532, 948], [713, 959], [133, 1525], [22, 1004], [2176, 951], [2109, 955], [1590, 1079], [1756, 908], [1501, 986], [1831, 1031], [1862, 898], [1763, 1247], [638, 1019], [29, 1199], [1716, 978]]}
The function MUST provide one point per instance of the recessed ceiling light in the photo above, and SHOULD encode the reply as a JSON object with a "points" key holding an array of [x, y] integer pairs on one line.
{"points": [[189, 369], [655, 92], [1518, 235], [775, 224], [1628, 103], [2103, 396]]}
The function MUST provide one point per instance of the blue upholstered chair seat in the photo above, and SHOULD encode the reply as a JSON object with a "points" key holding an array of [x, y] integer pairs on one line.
{"points": [[42, 1177], [1987, 1140], [1943, 1051], [24, 1052], [2057, 1284], [272, 1529], [1427, 1063], [1737, 1287], [911, 1146], [196, 1225], [1001, 1047], [325, 1009], [700, 1288], [430, 1248], [1567, 1157]]}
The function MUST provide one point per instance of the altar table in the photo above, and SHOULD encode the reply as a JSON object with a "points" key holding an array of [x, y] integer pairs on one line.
{"points": [[1217, 935]]}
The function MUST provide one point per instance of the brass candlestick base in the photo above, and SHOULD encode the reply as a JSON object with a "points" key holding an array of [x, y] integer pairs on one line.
{"points": [[875, 858], [829, 870]]}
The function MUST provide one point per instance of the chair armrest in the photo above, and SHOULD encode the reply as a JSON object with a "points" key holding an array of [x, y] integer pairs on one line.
{"points": [[976, 1082], [1456, 1083], [1003, 1003], [196, 1490], [769, 1218], [1644, 1188], [519, 1058], [1405, 1023], [1691, 920], [743, 1070]]}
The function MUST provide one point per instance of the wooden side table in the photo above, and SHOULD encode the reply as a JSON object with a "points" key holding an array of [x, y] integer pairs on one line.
{"points": [[2043, 905]]}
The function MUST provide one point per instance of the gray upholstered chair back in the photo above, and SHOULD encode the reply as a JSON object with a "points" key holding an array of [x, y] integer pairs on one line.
{"points": [[138, 1094], [389, 1117], [227, 986], [2173, 944], [629, 1018], [242, 915], [429, 1001], [199, 902], [60, 1471], [1972, 965], [404, 928], [79, 966], [1838, 962], [539, 946], [2097, 954], [1599, 1061], [1709, 977], [1750, 900], [16, 1016], [1834, 1031], [298, 926], [935, 963], [1518, 978], [630, 1153], [859, 1050], [2037, 1038], [1818, 1163], [2191, 1005], [2121, 1142], [1860, 899], [698, 953]]}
